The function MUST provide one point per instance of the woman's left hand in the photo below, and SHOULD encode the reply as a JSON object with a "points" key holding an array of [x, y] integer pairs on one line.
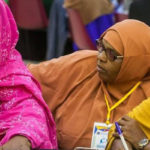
{"points": [[17, 143], [131, 130]]}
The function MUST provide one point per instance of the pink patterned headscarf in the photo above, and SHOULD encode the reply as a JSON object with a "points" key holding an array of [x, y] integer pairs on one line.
{"points": [[22, 108]]}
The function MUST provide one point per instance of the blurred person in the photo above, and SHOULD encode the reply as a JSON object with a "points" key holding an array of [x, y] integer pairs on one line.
{"points": [[57, 31], [100, 16], [94, 8], [140, 10]]}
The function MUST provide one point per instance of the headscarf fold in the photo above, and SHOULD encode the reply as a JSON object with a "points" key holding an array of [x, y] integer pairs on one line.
{"points": [[22, 108]]}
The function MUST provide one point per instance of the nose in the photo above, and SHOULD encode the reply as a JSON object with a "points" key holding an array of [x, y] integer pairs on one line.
{"points": [[102, 56]]}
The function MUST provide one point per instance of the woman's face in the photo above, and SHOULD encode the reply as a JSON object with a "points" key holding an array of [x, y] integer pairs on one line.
{"points": [[109, 61]]}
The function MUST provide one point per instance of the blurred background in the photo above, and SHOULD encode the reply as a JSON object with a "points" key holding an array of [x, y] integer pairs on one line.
{"points": [[52, 28]]}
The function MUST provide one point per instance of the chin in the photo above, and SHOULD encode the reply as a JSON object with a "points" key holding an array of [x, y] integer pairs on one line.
{"points": [[102, 77], [105, 78]]}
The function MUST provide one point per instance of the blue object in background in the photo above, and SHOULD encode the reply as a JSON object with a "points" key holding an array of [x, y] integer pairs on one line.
{"points": [[97, 27]]}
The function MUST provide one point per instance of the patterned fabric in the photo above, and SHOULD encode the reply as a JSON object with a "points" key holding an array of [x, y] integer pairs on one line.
{"points": [[22, 108]]}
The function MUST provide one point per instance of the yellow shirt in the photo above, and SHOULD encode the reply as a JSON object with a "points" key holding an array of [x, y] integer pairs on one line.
{"points": [[141, 114]]}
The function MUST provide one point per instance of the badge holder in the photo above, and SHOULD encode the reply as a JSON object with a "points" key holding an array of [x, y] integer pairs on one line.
{"points": [[100, 135]]}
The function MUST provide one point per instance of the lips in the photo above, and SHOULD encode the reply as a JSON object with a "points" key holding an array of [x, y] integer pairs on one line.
{"points": [[100, 69]]}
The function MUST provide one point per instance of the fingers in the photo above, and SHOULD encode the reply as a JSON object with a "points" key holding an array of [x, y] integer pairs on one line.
{"points": [[122, 122], [115, 134], [126, 118]]}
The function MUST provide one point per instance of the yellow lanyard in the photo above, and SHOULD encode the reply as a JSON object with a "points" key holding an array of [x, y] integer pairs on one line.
{"points": [[109, 109]]}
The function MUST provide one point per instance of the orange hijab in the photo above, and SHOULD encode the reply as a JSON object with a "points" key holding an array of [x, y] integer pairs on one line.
{"points": [[131, 38]]}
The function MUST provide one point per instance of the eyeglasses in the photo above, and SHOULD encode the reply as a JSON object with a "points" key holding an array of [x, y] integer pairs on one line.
{"points": [[111, 55]]}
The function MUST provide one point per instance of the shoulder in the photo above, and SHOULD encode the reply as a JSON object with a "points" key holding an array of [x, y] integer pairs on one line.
{"points": [[81, 60], [84, 59], [74, 59], [79, 56]]}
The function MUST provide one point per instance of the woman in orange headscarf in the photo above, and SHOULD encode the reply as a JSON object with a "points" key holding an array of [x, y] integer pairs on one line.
{"points": [[90, 86]]}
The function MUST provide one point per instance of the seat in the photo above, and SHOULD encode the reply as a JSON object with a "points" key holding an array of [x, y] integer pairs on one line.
{"points": [[78, 30], [29, 14]]}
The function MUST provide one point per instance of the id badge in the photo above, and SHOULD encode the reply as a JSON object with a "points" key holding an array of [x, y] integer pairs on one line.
{"points": [[100, 135]]}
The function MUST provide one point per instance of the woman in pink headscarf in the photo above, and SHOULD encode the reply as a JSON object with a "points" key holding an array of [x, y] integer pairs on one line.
{"points": [[25, 120]]}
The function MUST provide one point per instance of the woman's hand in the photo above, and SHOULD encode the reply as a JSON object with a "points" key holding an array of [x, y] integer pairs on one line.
{"points": [[17, 143], [131, 130], [117, 145]]}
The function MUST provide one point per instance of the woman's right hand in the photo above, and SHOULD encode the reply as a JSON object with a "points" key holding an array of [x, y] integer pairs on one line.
{"points": [[117, 145]]}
